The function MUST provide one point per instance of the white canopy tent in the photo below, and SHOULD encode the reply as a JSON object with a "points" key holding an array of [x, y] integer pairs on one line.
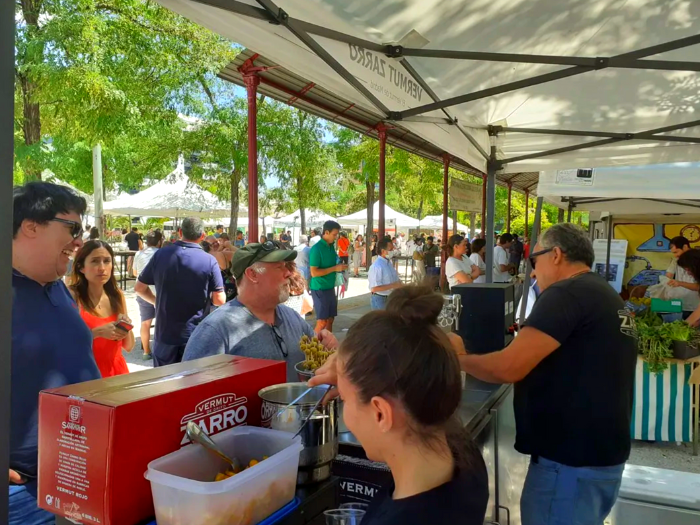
{"points": [[544, 75], [174, 196], [360, 218], [313, 218], [634, 190], [435, 221]]}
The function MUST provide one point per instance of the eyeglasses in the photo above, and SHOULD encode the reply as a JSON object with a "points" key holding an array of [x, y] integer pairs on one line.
{"points": [[76, 229], [267, 246], [280, 341], [534, 256]]}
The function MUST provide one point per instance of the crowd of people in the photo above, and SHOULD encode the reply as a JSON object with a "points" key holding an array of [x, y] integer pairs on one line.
{"points": [[398, 373]]}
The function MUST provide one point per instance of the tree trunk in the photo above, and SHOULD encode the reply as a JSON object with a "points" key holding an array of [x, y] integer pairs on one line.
{"points": [[235, 202], [300, 200], [370, 222], [31, 123]]}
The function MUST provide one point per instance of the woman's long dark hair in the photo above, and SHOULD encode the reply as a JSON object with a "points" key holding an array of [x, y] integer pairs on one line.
{"points": [[79, 284], [451, 243], [401, 353]]}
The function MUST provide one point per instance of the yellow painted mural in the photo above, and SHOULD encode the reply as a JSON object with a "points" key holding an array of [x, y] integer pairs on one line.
{"points": [[648, 254]]}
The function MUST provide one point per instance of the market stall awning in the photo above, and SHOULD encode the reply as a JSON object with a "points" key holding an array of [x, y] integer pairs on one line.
{"points": [[632, 190], [313, 218], [174, 196], [360, 218], [435, 221], [548, 84]]}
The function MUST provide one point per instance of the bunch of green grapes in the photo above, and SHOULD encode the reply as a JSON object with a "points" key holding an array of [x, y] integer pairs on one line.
{"points": [[316, 354]]}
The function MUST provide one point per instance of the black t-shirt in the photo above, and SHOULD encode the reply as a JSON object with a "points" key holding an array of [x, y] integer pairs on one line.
{"points": [[461, 501], [132, 240], [575, 406]]}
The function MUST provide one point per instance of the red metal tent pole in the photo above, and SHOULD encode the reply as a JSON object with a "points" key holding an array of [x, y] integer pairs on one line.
{"points": [[445, 190], [252, 81], [483, 208], [527, 209], [381, 132], [510, 191], [445, 204]]}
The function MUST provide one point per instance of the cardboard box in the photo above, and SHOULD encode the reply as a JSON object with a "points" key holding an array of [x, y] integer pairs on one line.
{"points": [[97, 438]]}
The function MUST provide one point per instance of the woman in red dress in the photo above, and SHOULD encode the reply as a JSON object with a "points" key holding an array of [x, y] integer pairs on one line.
{"points": [[102, 306]]}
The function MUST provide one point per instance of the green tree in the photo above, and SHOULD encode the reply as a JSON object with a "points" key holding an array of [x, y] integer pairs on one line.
{"points": [[108, 71]]}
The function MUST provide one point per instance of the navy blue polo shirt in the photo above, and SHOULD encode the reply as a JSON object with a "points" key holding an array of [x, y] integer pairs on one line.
{"points": [[51, 348], [184, 276]]}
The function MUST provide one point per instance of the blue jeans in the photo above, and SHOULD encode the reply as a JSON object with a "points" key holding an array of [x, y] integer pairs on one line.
{"points": [[24, 510], [555, 494], [378, 302]]}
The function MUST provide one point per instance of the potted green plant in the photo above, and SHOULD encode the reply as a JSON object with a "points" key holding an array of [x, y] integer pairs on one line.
{"points": [[684, 340]]}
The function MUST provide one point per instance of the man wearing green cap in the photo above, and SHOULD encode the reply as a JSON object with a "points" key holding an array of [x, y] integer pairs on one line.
{"points": [[256, 323]]}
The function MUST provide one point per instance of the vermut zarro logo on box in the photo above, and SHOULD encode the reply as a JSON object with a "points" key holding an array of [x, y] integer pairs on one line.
{"points": [[216, 414], [74, 423]]}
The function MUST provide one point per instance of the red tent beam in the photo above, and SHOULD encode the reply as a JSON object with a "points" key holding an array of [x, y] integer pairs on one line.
{"points": [[510, 191], [527, 209], [381, 132]]}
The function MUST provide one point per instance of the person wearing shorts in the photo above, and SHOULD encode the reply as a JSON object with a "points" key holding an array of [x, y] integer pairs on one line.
{"points": [[323, 267], [147, 311]]}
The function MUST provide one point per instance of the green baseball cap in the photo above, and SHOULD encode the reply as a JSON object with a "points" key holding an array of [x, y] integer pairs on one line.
{"points": [[249, 254]]}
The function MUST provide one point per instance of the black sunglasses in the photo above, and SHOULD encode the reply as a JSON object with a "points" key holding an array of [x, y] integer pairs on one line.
{"points": [[267, 246], [534, 256], [76, 229], [280, 341]]}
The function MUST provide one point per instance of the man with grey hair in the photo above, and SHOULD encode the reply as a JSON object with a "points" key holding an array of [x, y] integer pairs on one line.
{"points": [[573, 366], [256, 323], [188, 282]]}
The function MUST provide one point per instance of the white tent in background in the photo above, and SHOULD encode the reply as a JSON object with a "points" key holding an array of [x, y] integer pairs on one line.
{"points": [[313, 218], [174, 196], [435, 221], [360, 218]]}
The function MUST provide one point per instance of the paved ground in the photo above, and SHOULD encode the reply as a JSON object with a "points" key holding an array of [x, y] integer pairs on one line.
{"points": [[356, 304]]}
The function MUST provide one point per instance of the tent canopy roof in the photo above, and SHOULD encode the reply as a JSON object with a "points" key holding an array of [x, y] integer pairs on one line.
{"points": [[313, 217], [544, 75], [174, 196], [360, 217], [658, 189], [435, 221]]}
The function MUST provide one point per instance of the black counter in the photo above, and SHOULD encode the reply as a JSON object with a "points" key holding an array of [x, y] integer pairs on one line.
{"points": [[478, 397]]}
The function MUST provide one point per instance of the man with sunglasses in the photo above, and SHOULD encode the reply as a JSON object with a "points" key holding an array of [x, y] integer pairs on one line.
{"points": [[256, 323], [51, 345], [573, 365]]}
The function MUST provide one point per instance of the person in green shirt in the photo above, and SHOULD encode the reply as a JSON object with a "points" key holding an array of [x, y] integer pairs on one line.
{"points": [[323, 266]]}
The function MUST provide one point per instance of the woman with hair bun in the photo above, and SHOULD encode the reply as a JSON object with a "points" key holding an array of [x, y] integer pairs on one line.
{"points": [[400, 381], [459, 268]]}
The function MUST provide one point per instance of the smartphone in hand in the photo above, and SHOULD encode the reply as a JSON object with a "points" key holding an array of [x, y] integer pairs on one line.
{"points": [[123, 325]]}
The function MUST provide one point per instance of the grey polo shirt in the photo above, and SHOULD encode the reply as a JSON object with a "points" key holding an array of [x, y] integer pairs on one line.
{"points": [[233, 329]]}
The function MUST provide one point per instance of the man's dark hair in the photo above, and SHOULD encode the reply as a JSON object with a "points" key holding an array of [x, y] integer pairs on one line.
{"points": [[192, 229], [572, 240], [239, 232], [430, 238], [384, 244], [134, 229], [219, 226], [124, 230], [94, 233], [329, 226], [515, 237], [690, 261], [679, 242], [42, 201], [506, 237], [153, 238]]}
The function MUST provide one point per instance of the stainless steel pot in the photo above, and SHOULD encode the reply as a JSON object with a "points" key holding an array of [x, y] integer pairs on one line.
{"points": [[319, 437]]}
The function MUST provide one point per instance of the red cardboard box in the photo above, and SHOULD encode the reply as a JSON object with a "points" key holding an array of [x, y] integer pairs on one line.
{"points": [[97, 438]]}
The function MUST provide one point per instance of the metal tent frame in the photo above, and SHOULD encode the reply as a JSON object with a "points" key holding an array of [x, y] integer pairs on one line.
{"points": [[271, 13]]}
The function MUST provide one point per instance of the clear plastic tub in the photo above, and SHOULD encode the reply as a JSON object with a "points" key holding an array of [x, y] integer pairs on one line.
{"points": [[185, 493]]}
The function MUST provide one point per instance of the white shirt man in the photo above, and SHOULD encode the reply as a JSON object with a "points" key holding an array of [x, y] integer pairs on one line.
{"points": [[501, 260]]}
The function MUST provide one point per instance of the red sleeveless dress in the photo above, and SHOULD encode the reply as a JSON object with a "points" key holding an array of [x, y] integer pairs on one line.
{"points": [[108, 353]]}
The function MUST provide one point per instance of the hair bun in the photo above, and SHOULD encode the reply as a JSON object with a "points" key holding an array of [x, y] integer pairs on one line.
{"points": [[416, 305]]}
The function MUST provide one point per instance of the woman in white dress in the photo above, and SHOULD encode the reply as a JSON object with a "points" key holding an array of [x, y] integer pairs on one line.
{"points": [[458, 270], [477, 259]]}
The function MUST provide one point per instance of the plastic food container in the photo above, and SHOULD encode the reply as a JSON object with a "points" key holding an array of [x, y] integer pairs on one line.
{"points": [[185, 493]]}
